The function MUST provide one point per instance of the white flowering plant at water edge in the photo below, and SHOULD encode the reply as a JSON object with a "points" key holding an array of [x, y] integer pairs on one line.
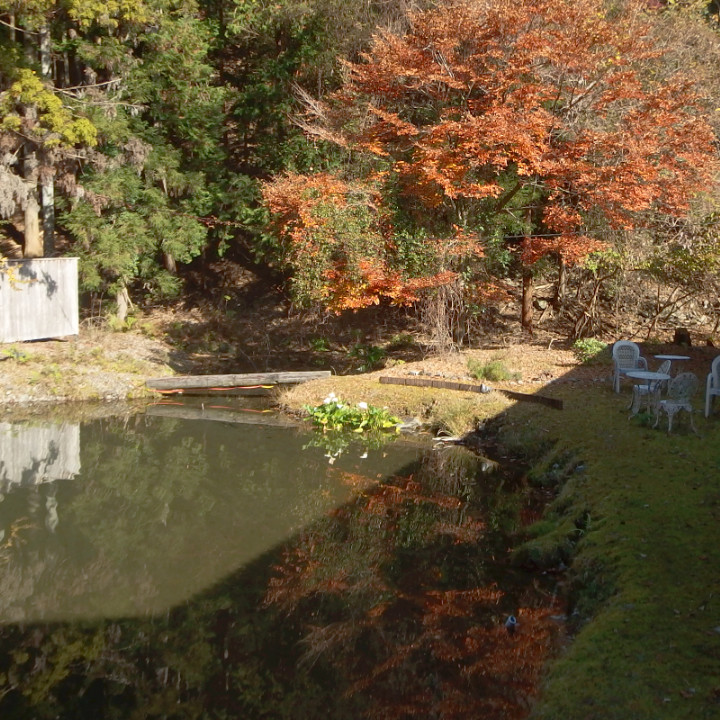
{"points": [[334, 414]]}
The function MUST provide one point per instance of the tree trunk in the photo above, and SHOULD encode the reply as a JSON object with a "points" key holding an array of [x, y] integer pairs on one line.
{"points": [[528, 285], [45, 49], [47, 174], [526, 317], [47, 198], [169, 263], [123, 304], [33, 247], [561, 290]]}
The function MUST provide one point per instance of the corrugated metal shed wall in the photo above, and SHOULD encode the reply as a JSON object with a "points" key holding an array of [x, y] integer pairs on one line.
{"points": [[39, 299]]}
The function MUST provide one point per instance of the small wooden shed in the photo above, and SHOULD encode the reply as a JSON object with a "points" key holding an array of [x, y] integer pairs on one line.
{"points": [[39, 299]]}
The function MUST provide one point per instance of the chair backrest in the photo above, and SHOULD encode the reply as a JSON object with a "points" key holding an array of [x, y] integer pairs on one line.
{"points": [[626, 353], [664, 368], [683, 386], [715, 371]]}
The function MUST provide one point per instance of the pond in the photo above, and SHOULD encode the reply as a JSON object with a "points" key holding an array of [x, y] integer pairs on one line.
{"points": [[220, 562]]}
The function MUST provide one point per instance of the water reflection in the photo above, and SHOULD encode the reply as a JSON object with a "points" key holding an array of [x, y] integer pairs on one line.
{"points": [[36, 454], [407, 591], [159, 510], [212, 569], [33, 454]]}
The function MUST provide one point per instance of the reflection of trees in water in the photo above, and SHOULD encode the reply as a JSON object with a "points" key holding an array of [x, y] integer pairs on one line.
{"points": [[102, 671], [161, 506], [401, 607], [395, 600]]}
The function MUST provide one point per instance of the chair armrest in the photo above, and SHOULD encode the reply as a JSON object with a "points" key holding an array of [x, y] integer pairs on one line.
{"points": [[642, 362]]}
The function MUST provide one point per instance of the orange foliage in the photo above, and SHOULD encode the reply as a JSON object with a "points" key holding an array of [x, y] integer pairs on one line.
{"points": [[338, 243], [429, 650], [292, 198], [476, 102], [552, 91]]}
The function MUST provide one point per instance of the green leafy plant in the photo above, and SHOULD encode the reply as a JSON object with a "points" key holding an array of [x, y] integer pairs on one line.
{"points": [[590, 351], [334, 414], [494, 370], [371, 357], [319, 344], [117, 325], [12, 353]]}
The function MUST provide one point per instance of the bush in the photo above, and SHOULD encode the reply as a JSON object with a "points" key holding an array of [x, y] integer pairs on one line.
{"points": [[590, 351], [494, 371], [370, 357]]}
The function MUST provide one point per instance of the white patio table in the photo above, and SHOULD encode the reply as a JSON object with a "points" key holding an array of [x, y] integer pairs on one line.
{"points": [[672, 358]]}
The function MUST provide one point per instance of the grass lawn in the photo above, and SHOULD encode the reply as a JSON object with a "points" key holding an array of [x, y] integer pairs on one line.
{"points": [[645, 571]]}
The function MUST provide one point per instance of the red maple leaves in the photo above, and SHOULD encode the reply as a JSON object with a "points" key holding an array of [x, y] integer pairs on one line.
{"points": [[556, 99]]}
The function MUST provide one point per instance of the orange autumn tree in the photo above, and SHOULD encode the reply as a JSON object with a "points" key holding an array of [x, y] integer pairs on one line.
{"points": [[544, 116], [337, 246]]}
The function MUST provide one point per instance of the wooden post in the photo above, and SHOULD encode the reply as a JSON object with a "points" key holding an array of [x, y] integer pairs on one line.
{"points": [[528, 287]]}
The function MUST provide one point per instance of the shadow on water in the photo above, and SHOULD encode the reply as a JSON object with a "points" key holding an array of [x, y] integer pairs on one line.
{"points": [[153, 566]]}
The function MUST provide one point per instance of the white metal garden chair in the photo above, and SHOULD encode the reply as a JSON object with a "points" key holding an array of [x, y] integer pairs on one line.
{"points": [[712, 385], [679, 397], [626, 357], [649, 392]]}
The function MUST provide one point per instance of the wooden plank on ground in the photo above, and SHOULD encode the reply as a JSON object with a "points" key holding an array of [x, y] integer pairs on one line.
{"points": [[470, 387], [249, 381]]}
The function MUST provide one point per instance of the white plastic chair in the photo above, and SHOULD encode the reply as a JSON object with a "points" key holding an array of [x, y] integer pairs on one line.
{"points": [[679, 396], [712, 385], [626, 357], [650, 392]]}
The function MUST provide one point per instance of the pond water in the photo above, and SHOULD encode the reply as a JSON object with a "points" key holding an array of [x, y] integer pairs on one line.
{"points": [[218, 562]]}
